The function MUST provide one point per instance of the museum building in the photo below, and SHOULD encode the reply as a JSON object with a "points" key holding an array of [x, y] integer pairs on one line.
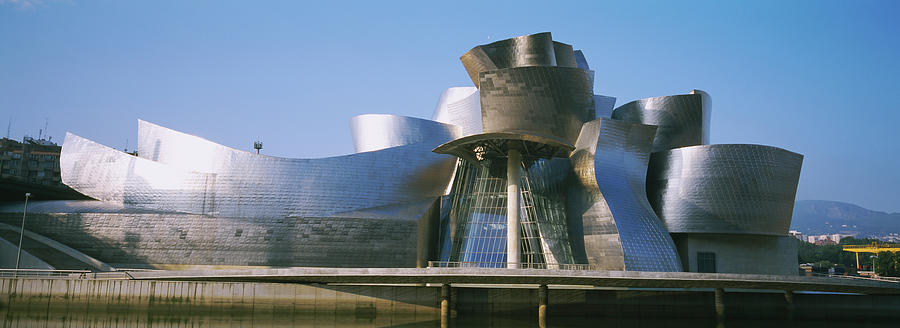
{"points": [[584, 184]]}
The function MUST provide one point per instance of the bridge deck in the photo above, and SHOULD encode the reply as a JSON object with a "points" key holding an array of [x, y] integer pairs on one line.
{"points": [[632, 279]]}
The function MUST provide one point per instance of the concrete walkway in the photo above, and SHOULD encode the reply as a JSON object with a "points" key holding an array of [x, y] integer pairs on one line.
{"points": [[632, 279]]}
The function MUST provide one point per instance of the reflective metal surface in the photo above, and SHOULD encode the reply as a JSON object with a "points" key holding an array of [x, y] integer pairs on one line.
{"points": [[477, 147], [584, 187], [603, 106], [544, 101], [178, 241], [110, 175], [683, 120], [460, 106], [187, 201], [236, 183], [527, 50], [379, 131], [565, 55], [608, 207], [748, 189], [580, 61], [74, 206]]}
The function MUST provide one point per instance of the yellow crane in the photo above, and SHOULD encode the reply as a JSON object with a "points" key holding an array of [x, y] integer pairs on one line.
{"points": [[874, 248]]}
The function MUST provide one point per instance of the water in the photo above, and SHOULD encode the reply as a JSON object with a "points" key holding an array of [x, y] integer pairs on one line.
{"points": [[142, 319]]}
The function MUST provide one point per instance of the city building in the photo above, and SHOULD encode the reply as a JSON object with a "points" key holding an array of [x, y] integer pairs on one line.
{"points": [[828, 239], [31, 165], [32, 160], [530, 146]]}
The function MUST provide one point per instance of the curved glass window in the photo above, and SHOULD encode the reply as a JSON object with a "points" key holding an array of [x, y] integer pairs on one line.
{"points": [[478, 215]]}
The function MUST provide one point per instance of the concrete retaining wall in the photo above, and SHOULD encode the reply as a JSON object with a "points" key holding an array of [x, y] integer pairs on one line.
{"points": [[26, 299], [189, 298]]}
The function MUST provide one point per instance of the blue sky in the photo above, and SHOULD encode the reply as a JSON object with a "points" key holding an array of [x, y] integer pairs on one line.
{"points": [[815, 77]]}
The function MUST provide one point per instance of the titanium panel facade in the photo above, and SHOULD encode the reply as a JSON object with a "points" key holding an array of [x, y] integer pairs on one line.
{"points": [[110, 175], [682, 120], [373, 132], [527, 50], [460, 106], [565, 55], [176, 241], [580, 61], [236, 183], [476, 61], [608, 206], [523, 51], [590, 190], [603, 106], [545, 101], [745, 189]]}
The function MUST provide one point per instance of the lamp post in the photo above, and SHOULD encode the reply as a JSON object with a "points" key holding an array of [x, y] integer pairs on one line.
{"points": [[22, 233], [873, 257]]}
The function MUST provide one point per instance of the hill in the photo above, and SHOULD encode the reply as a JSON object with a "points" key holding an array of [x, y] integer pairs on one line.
{"points": [[816, 217]]}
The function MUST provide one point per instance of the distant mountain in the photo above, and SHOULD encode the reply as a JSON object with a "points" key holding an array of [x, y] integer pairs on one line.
{"points": [[816, 217]]}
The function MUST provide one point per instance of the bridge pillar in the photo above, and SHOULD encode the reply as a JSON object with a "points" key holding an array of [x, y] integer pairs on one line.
{"points": [[789, 304], [445, 305], [720, 307], [542, 306]]}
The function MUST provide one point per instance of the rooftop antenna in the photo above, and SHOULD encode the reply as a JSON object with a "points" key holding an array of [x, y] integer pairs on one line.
{"points": [[126, 145], [257, 145], [45, 126], [8, 125]]}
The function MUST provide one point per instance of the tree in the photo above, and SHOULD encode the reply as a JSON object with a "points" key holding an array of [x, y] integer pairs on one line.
{"points": [[887, 264], [833, 254]]}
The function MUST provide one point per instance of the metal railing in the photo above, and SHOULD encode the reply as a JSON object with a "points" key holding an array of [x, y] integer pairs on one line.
{"points": [[502, 265], [62, 274], [883, 279], [24, 273]]}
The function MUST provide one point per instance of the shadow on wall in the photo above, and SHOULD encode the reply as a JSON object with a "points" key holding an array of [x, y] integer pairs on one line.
{"points": [[67, 230]]}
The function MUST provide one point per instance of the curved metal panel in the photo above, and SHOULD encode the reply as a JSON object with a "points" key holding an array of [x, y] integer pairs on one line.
{"points": [[603, 106], [580, 61], [546, 101], [107, 174], [379, 131], [476, 61], [527, 50], [236, 183], [565, 55], [474, 148], [747, 189], [609, 204], [683, 120], [460, 106]]}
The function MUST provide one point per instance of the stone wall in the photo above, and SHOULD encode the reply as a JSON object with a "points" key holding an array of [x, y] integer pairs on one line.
{"points": [[740, 253], [151, 240]]}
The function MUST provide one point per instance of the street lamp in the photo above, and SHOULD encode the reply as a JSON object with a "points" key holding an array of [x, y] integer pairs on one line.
{"points": [[22, 233], [873, 257]]}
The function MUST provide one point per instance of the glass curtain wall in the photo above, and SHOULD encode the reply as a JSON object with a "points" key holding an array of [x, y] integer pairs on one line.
{"points": [[478, 215], [544, 203]]}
